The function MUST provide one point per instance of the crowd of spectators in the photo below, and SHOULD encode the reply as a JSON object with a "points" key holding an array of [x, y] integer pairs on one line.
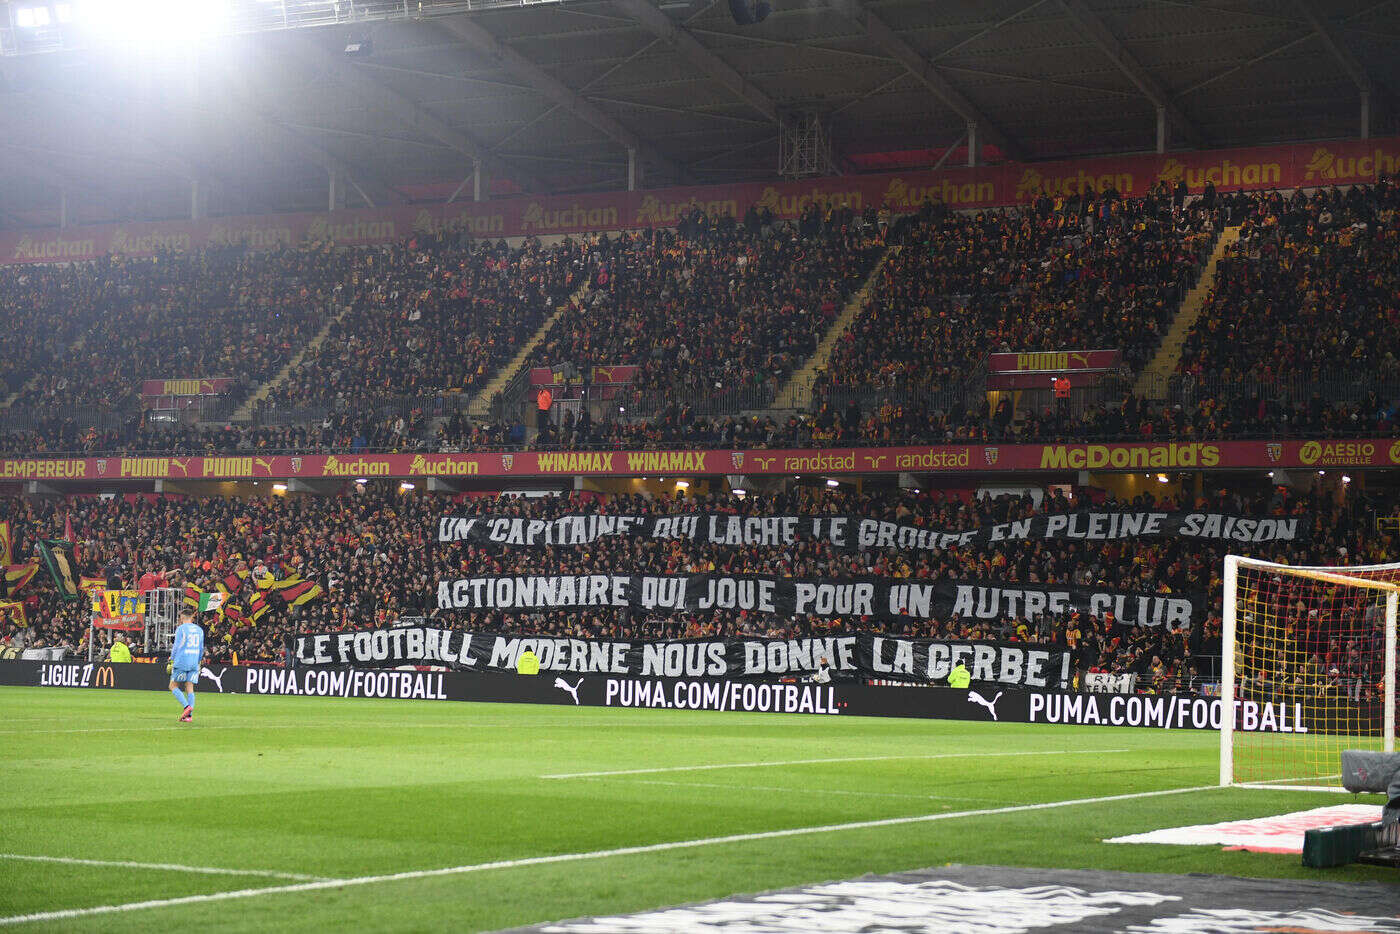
{"points": [[221, 312], [439, 313], [45, 307], [372, 551], [885, 420], [1078, 272], [1308, 292], [713, 308], [719, 307]]}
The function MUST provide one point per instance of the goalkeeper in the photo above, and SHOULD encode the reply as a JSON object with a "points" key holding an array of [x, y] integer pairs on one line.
{"points": [[186, 655]]}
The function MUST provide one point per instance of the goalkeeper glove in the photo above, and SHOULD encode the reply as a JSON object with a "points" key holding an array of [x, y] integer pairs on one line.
{"points": [[169, 667]]}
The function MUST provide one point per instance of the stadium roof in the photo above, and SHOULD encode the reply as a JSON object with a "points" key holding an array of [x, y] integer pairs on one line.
{"points": [[550, 95]]}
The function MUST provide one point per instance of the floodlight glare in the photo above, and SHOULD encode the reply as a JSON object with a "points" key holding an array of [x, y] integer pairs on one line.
{"points": [[151, 22]]}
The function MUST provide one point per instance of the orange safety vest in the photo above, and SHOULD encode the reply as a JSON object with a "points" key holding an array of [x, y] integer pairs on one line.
{"points": [[544, 400]]}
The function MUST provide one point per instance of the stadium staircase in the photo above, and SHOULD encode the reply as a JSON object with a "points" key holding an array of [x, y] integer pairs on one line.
{"points": [[796, 392], [78, 343], [244, 413], [480, 405], [1152, 382]]}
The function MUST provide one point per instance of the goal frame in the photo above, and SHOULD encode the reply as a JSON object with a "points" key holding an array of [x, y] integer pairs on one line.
{"points": [[1336, 575]]}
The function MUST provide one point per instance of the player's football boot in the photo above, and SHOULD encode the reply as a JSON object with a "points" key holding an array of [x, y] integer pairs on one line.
{"points": [[188, 715]]}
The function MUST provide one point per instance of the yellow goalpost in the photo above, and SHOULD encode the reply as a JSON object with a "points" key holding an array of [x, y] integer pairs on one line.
{"points": [[1308, 658]]}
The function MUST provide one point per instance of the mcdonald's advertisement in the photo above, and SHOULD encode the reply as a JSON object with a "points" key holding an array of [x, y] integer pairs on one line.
{"points": [[1302, 165], [943, 459]]}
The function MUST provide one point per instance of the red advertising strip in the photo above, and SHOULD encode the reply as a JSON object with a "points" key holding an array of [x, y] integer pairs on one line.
{"points": [[186, 387], [1054, 361], [1302, 165], [948, 459], [600, 376], [1034, 370]]}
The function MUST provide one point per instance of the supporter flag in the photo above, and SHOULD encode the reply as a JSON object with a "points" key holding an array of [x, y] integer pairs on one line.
{"points": [[258, 607], [209, 601], [232, 583], [57, 556], [234, 613], [191, 598], [303, 592], [6, 546], [277, 586], [17, 575], [89, 584], [15, 612]]}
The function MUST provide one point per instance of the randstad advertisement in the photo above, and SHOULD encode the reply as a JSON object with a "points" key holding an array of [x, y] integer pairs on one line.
{"points": [[948, 459], [1306, 165]]}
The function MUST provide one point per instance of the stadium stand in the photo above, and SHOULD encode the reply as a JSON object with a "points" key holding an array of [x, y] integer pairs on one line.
{"points": [[218, 312], [1307, 293], [370, 550], [716, 308], [413, 331], [437, 314], [1090, 272]]}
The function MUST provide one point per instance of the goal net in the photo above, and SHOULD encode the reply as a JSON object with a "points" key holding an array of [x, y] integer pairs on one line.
{"points": [[1308, 655]]}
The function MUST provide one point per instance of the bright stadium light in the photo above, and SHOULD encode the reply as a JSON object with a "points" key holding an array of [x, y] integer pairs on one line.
{"points": [[833, 483], [151, 22], [279, 488], [32, 17]]}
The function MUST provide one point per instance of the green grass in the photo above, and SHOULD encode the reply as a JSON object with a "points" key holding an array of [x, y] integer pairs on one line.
{"points": [[344, 788]]}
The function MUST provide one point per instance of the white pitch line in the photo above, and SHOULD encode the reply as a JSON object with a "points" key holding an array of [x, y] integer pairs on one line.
{"points": [[575, 857], [814, 791], [174, 727], [759, 765], [171, 867]]}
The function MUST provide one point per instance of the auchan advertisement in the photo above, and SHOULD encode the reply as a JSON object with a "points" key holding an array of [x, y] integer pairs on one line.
{"points": [[948, 459], [1305, 165]]}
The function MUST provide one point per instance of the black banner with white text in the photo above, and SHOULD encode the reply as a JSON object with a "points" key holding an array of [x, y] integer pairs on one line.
{"points": [[852, 656], [822, 597], [988, 703], [853, 533]]}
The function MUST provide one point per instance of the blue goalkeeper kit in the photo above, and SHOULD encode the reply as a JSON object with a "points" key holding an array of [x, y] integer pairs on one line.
{"points": [[188, 649]]}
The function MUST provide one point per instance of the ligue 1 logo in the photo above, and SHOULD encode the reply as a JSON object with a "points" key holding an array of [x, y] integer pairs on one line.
{"points": [[1275, 451], [991, 455]]}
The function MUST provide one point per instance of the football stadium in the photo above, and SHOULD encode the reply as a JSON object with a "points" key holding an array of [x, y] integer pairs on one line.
{"points": [[660, 466]]}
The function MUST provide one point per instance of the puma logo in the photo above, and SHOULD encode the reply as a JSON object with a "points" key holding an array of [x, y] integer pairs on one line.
{"points": [[217, 679], [991, 705], [184, 465], [265, 465], [563, 685]]}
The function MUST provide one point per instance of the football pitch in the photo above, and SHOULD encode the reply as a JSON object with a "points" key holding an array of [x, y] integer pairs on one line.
{"points": [[310, 814]]}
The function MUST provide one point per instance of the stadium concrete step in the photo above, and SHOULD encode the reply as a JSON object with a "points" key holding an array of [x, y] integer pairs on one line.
{"points": [[793, 395], [244, 413], [480, 406], [1152, 382]]}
